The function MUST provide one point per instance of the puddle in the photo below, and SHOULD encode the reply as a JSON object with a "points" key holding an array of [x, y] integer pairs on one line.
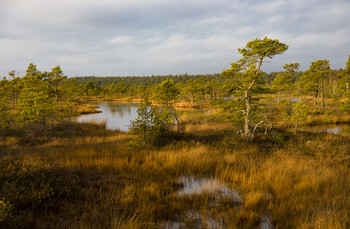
{"points": [[197, 186], [171, 225], [216, 189], [194, 220], [265, 222], [291, 99], [338, 129], [334, 130], [204, 220]]}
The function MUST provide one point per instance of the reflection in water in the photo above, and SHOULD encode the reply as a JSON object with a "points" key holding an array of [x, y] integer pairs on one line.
{"points": [[292, 99], [211, 186], [118, 109], [341, 129], [334, 130], [200, 219], [265, 222], [117, 115]]}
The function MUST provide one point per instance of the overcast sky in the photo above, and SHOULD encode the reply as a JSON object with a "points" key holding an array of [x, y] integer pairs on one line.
{"points": [[161, 37]]}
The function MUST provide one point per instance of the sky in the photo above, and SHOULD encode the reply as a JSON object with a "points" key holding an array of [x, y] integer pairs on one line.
{"points": [[162, 37]]}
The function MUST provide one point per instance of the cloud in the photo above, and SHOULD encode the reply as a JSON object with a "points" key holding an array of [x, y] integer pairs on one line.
{"points": [[134, 37], [122, 40]]}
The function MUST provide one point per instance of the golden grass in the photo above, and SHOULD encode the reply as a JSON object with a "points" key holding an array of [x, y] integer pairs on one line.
{"points": [[184, 104], [88, 140], [324, 119], [301, 183], [87, 108], [192, 128]]}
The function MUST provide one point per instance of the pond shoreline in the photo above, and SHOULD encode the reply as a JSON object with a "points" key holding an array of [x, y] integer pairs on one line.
{"points": [[114, 114], [181, 104], [91, 107]]}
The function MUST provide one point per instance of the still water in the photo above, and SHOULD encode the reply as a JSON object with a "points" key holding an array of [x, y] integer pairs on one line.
{"points": [[117, 115], [339, 129]]}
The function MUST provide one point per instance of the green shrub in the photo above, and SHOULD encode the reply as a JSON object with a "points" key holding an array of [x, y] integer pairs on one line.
{"points": [[32, 190], [5, 211], [345, 106], [300, 113], [151, 125]]}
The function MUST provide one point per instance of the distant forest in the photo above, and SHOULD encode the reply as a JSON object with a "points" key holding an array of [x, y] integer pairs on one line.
{"points": [[100, 81], [104, 81]]}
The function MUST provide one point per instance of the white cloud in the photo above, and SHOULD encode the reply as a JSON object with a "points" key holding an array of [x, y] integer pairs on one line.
{"points": [[122, 40], [145, 37], [269, 6]]}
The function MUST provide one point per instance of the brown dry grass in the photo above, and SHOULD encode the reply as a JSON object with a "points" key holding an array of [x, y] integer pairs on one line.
{"points": [[301, 181], [87, 108]]}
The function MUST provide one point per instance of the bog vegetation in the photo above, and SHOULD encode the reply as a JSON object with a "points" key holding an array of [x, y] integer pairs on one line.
{"points": [[56, 173]]}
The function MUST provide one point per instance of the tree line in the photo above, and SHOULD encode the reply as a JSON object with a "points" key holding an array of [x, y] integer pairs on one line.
{"points": [[319, 81], [36, 101], [40, 98], [142, 80]]}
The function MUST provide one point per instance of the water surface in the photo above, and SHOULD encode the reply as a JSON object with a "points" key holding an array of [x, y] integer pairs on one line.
{"points": [[117, 115], [339, 129], [212, 186]]}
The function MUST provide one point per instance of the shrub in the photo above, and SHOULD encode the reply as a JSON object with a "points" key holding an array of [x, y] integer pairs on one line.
{"points": [[300, 113], [345, 106], [151, 125], [5, 212], [32, 189]]}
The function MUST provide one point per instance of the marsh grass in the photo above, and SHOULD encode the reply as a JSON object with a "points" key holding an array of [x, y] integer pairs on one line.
{"points": [[83, 107], [87, 177]]}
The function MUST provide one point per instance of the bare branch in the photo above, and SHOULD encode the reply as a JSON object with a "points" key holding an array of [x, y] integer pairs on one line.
{"points": [[267, 126]]}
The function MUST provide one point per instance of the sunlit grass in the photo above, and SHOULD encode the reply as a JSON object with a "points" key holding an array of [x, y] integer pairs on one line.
{"points": [[87, 108], [301, 182]]}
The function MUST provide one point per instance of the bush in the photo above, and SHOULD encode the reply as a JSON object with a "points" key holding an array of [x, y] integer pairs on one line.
{"points": [[28, 190], [345, 106], [5, 212], [300, 113], [36, 109], [151, 125], [5, 117]]}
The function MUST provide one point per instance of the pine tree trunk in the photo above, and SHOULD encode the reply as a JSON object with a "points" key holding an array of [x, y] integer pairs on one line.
{"points": [[249, 136], [247, 133], [177, 121], [318, 94], [322, 94], [289, 92]]}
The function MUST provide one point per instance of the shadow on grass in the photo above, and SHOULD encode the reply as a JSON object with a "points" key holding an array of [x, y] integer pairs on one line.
{"points": [[30, 191], [32, 135]]}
